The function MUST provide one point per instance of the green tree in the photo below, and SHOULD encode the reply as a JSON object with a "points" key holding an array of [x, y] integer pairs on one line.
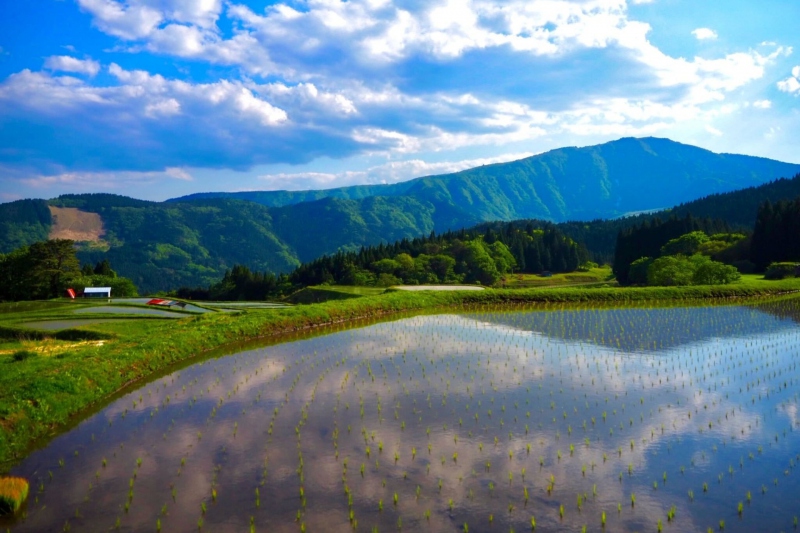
{"points": [[386, 266], [442, 266], [671, 270], [715, 273], [15, 280], [103, 268], [503, 259], [688, 244], [480, 265], [638, 271], [53, 263]]}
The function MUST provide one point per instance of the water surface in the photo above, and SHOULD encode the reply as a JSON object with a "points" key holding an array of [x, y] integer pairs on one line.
{"points": [[487, 419]]}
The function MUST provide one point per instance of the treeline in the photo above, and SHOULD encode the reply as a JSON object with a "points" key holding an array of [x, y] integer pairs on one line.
{"points": [[646, 239], [774, 240], [23, 222], [465, 256], [240, 283], [45, 269], [739, 208], [776, 237]]}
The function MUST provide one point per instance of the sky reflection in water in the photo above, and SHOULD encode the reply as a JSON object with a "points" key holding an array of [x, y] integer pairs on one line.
{"points": [[470, 408]]}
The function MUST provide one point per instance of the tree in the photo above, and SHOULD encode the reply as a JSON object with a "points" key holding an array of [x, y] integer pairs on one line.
{"points": [[637, 274], [480, 265], [103, 268], [715, 273], [687, 244], [503, 259], [52, 263], [670, 270], [442, 266]]}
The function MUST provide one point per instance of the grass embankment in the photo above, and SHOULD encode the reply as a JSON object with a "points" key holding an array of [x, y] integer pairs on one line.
{"points": [[326, 293], [39, 395]]}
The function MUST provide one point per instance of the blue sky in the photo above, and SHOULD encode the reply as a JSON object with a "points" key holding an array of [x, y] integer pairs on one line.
{"points": [[159, 98]]}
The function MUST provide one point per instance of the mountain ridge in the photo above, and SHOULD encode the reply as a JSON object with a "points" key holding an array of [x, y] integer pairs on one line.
{"points": [[568, 183], [193, 241]]}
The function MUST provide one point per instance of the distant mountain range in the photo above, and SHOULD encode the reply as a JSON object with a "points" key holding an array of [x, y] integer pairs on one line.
{"points": [[603, 181], [193, 239]]}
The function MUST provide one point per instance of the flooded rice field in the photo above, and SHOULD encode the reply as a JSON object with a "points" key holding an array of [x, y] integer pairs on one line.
{"points": [[676, 419], [123, 310]]}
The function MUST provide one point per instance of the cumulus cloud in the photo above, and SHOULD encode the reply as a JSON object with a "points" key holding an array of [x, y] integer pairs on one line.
{"points": [[791, 84], [704, 34], [71, 64], [336, 78], [762, 104], [713, 131]]}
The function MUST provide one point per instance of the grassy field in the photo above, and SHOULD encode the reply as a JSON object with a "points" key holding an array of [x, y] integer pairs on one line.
{"points": [[49, 380], [599, 276], [325, 293]]}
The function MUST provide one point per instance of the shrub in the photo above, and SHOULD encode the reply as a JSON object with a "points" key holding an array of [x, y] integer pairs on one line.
{"points": [[781, 270], [21, 355], [714, 273], [587, 266], [13, 492]]}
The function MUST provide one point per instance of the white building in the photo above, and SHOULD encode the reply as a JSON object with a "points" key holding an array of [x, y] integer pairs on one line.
{"points": [[97, 292]]}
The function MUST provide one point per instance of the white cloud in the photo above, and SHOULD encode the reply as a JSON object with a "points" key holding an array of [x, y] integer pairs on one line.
{"points": [[704, 34], [791, 84], [178, 174], [772, 132], [163, 97], [391, 172], [126, 20], [71, 64], [712, 130], [89, 181], [366, 77]]}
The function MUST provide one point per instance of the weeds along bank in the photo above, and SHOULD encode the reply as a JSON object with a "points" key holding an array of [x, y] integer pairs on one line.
{"points": [[40, 395]]}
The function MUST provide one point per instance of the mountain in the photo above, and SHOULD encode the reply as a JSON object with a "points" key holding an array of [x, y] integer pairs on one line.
{"points": [[603, 181], [160, 246], [193, 240]]}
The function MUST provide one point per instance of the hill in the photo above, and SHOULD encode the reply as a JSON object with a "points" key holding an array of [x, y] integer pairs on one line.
{"points": [[161, 246], [603, 181]]}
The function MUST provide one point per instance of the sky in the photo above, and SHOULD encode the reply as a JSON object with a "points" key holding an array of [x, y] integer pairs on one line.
{"points": [[159, 98]]}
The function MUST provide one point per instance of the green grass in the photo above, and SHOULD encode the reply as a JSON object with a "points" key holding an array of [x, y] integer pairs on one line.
{"points": [[325, 293], [43, 394], [598, 275]]}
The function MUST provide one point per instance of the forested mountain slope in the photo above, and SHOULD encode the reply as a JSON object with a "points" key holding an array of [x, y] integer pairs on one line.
{"points": [[193, 241], [602, 181]]}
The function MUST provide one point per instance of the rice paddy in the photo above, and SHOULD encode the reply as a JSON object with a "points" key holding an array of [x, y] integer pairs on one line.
{"points": [[671, 419]]}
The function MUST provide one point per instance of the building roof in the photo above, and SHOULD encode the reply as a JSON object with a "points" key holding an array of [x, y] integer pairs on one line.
{"points": [[97, 289]]}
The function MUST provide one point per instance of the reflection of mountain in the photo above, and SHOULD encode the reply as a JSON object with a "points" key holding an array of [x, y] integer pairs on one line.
{"points": [[649, 330]]}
